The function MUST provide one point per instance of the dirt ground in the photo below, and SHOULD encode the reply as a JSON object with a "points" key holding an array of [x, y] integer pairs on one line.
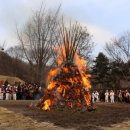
{"points": [[16, 115]]}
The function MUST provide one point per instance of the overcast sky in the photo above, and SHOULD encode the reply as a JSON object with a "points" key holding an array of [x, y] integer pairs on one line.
{"points": [[104, 18]]}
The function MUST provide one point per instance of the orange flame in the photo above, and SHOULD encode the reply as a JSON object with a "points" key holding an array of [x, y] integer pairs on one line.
{"points": [[51, 85], [65, 69], [51, 74], [62, 89], [86, 81], [61, 55], [47, 104], [81, 63]]}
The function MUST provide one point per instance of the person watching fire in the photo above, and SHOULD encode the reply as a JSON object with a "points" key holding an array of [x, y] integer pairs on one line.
{"points": [[106, 96], [97, 96], [112, 96]]}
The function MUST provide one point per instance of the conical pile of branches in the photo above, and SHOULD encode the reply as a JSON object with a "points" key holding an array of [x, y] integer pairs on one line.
{"points": [[70, 85]]}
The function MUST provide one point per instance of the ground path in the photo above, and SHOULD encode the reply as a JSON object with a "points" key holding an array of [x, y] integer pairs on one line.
{"points": [[14, 115]]}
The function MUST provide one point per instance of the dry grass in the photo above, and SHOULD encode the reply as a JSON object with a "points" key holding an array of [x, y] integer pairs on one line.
{"points": [[106, 117], [10, 79]]}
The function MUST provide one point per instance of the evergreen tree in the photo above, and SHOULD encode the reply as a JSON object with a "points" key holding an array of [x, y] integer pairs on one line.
{"points": [[101, 71], [119, 71]]}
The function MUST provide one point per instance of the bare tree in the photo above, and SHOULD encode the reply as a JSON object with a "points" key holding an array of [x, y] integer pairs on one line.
{"points": [[71, 39], [119, 48], [37, 38], [45, 32], [16, 52]]}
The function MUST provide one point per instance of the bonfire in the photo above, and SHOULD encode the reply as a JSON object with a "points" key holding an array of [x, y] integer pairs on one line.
{"points": [[69, 84]]}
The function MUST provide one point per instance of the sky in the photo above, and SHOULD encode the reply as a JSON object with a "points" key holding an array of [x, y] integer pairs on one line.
{"points": [[104, 19]]}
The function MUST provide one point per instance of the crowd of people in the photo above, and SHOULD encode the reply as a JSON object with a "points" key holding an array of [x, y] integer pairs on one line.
{"points": [[111, 96], [32, 91], [18, 91]]}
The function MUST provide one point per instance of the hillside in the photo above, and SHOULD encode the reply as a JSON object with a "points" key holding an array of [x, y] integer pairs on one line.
{"points": [[10, 79], [13, 67]]}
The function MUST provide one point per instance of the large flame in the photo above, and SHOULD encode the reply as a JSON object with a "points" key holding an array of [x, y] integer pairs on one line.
{"points": [[58, 90], [82, 66]]}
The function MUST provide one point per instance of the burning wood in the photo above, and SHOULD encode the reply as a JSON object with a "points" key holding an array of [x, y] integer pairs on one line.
{"points": [[69, 88], [69, 84]]}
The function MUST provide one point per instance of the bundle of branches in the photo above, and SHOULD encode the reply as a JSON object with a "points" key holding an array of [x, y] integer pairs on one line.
{"points": [[70, 40], [70, 86], [66, 89]]}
